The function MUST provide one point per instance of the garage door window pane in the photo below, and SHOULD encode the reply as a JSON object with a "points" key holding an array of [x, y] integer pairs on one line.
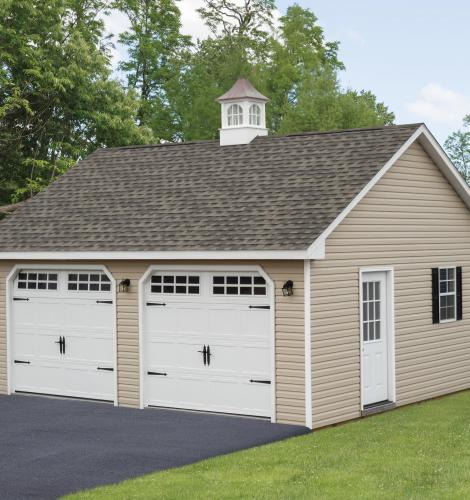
{"points": [[37, 281], [180, 284], [88, 282], [239, 285]]}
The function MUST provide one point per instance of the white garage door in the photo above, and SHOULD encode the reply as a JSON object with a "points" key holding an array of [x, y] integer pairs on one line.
{"points": [[62, 333], [207, 342]]}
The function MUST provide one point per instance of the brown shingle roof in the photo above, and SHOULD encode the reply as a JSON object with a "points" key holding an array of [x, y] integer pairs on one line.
{"points": [[277, 193]]}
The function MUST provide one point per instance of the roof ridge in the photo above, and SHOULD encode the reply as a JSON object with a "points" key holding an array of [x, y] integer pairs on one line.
{"points": [[160, 144], [264, 138], [344, 130]]}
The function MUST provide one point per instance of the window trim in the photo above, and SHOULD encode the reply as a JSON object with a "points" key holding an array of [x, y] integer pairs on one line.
{"points": [[254, 117], [238, 115], [446, 294]]}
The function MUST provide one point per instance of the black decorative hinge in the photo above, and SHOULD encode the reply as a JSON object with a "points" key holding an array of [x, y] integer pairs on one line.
{"points": [[104, 301], [156, 304], [260, 381], [19, 362], [20, 298], [259, 307], [105, 369], [157, 373]]}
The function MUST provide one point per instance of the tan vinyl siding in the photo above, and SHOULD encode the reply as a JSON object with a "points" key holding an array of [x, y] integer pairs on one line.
{"points": [[4, 270], [289, 319], [412, 220]]}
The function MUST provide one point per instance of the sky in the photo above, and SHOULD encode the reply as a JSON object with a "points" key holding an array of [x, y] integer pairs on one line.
{"points": [[413, 55]]}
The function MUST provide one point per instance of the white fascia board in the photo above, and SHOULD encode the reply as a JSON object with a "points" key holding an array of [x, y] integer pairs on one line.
{"points": [[440, 158], [433, 149], [191, 255]]}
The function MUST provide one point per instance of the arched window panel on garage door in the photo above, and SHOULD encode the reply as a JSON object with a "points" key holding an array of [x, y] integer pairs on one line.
{"points": [[88, 282], [175, 284], [238, 284], [37, 280]]}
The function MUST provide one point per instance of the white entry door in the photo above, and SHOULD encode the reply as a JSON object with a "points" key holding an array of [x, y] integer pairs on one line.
{"points": [[375, 359], [207, 342], [63, 333]]}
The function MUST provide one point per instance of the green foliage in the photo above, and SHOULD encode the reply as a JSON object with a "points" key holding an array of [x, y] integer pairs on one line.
{"points": [[294, 66], [155, 49], [457, 146], [57, 101]]}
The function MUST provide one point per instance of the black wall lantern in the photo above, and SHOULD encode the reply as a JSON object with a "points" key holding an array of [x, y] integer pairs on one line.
{"points": [[288, 288], [124, 285]]}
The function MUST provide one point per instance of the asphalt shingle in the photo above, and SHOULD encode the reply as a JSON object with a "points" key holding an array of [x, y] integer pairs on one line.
{"points": [[276, 193]]}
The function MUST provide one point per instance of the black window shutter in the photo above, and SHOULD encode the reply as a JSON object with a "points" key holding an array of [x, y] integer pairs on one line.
{"points": [[459, 292], [435, 295]]}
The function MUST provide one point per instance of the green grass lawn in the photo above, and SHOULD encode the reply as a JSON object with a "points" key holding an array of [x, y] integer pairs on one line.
{"points": [[417, 452]]}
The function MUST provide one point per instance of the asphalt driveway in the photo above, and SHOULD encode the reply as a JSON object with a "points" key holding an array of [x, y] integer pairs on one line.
{"points": [[50, 447]]}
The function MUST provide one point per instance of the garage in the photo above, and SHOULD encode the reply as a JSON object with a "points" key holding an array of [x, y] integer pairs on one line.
{"points": [[207, 340], [62, 333]]}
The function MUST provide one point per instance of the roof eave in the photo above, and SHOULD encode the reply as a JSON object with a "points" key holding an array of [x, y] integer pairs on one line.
{"points": [[158, 255]]}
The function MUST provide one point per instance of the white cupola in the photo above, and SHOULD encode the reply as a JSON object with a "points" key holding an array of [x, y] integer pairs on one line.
{"points": [[243, 114]]}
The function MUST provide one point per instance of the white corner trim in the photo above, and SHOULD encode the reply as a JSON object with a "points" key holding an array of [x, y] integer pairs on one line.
{"points": [[439, 156], [166, 255], [308, 346]]}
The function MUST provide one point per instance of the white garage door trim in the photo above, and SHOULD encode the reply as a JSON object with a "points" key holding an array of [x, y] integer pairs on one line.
{"points": [[9, 298], [214, 268]]}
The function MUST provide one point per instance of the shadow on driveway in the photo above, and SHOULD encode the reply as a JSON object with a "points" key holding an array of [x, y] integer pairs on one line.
{"points": [[50, 447]]}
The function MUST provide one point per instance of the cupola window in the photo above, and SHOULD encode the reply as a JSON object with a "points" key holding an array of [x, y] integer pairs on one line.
{"points": [[235, 115], [255, 115]]}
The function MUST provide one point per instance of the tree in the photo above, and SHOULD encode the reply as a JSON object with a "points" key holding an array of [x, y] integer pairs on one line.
{"points": [[155, 52], [292, 64], [57, 100], [457, 146]]}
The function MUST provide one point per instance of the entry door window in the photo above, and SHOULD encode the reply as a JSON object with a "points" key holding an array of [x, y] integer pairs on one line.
{"points": [[371, 311]]}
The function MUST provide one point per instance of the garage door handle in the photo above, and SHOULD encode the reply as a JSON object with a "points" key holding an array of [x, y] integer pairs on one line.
{"points": [[259, 307], [156, 373], [260, 381], [20, 298], [104, 301], [156, 304], [105, 369], [19, 362]]}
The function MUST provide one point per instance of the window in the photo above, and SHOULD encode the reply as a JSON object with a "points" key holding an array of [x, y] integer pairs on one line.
{"points": [[175, 284], [37, 281], [255, 115], [235, 115], [371, 313], [89, 282], [447, 294], [238, 285]]}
